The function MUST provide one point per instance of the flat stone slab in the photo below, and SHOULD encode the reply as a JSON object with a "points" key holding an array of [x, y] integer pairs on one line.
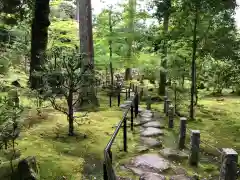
{"points": [[152, 176], [151, 142], [151, 132], [180, 177], [154, 124], [151, 162], [147, 114], [145, 119], [174, 154], [124, 106]]}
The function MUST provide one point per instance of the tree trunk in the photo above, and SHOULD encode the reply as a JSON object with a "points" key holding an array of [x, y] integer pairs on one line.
{"points": [[194, 49], [39, 40], [163, 76], [110, 45], [70, 113], [86, 49], [130, 39]]}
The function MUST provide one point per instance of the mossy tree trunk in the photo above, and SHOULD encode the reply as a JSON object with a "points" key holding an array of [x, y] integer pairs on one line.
{"points": [[39, 40], [86, 48], [163, 75]]}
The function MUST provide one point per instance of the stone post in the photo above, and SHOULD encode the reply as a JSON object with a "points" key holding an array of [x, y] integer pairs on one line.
{"points": [[148, 102], [165, 103], [141, 94], [182, 133], [168, 102], [170, 116], [195, 146], [229, 162]]}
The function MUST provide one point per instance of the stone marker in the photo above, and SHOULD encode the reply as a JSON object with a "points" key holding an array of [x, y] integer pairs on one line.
{"points": [[168, 102], [182, 133], [229, 161], [195, 146], [170, 116]]}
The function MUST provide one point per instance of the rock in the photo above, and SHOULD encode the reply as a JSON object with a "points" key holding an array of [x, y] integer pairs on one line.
{"points": [[154, 124], [152, 176], [151, 162], [179, 177], [151, 142], [174, 154], [146, 113], [138, 171], [145, 119], [150, 132], [27, 169], [124, 106], [142, 149]]}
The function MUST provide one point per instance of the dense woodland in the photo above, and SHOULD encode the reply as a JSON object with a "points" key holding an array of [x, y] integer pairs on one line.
{"points": [[54, 53]]}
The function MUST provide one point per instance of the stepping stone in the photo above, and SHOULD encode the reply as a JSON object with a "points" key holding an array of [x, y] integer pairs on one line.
{"points": [[124, 106], [179, 177], [146, 113], [145, 119], [151, 142], [142, 149], [174, 154], [140, 109], [154, 124], [152, 176], [151, 132], [151, 162]]}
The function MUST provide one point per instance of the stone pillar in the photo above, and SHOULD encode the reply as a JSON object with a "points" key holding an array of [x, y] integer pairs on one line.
{"points": [[168, 102], [195, 147], [182, 133], [164, 105], [229, 162], [170, 116], [148, 102]]}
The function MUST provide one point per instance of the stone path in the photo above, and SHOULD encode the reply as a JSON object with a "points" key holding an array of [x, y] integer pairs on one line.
{"points": [[157, 164]]}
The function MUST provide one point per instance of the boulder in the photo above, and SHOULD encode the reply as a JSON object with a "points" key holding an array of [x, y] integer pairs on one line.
{"points": [[27, 169]]}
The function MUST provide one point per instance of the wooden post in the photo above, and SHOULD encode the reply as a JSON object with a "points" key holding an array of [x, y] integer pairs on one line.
{"points": [[125, 134], [170, 116], [168, 102], [195, 146], [119, 98], [165, 104], [131, 117], [136, 102], [229, 162], [182, 133]]}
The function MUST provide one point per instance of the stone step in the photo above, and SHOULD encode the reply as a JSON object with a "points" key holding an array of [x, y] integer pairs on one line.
{"points": [[145, 163], [155, 124], [151, 132]]}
